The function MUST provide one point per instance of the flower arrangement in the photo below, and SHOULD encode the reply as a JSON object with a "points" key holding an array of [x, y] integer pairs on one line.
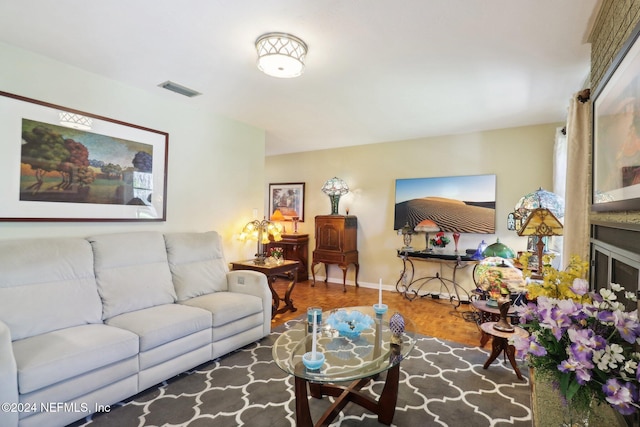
{"points": [[276, 252], [555, 283], [584, 341], [440, 241]]}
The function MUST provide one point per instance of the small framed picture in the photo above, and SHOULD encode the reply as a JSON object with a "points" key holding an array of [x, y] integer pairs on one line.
{"points": [[288, 198]]}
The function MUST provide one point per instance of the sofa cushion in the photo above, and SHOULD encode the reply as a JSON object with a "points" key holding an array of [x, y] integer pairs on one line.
{"points": [[56, 356], [197, 263], [132, 271], [226, 307], [47, 284], [163, 323]]}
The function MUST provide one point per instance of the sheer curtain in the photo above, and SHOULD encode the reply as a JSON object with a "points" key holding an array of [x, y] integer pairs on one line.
{"points": [[559, 184], [578, 178]]}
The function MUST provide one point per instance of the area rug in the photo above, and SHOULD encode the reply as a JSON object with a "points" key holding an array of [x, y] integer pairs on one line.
{"points": [[442, 383]]}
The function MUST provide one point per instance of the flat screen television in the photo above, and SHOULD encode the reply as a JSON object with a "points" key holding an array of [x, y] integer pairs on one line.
{"points": [[466, 204]]}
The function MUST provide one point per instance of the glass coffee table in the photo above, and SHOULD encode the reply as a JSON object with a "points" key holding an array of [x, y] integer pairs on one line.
{"points": [[352, 360]]}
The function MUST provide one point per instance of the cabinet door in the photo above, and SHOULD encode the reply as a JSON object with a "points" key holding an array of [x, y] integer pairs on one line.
{"points": [[330, 235]]}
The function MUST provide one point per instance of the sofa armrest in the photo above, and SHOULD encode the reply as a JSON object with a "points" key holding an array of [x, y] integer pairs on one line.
{"points": [[253, 283], [8, 379]]}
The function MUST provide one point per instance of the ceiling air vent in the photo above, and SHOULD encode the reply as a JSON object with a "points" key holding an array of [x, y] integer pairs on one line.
{"points": [[174, 87]]}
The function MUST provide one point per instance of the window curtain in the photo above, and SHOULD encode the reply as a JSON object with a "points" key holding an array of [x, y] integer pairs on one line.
{"points": [[578, 178], [559, 185]]}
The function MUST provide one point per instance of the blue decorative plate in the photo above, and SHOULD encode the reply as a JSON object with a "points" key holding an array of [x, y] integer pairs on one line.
{"points": [[349, 323]]}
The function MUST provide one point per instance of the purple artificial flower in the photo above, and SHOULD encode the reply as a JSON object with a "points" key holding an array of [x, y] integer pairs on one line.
{"points": [[582, 370], [580, 287], [620, 396], [557, 319], [526, 313], [527, 345], [627, 326]]}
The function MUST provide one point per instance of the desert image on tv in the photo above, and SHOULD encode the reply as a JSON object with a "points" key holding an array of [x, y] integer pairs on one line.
{"points": [[455, 204]]}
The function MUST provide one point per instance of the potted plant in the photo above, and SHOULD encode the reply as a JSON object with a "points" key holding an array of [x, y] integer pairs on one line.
{"points": [[584, 342]]}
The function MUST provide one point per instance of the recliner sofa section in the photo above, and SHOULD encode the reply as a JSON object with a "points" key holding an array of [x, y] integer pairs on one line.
{"points": [[85, 323]]}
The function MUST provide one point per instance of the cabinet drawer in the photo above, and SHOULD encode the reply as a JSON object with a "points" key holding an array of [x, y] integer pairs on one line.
{"points": [[330, 257]]}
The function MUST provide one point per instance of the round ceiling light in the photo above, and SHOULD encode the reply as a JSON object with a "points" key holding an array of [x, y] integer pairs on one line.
{"points": [[281, 55]]}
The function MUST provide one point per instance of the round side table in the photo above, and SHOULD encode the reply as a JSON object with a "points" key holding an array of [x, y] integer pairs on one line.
{"points": [[501, 344]]}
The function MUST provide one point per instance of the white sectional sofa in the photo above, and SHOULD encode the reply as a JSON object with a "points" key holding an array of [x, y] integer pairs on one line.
{"points": [[85, 323]]}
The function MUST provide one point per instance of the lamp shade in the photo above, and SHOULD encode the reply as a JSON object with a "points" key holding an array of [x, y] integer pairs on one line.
{"points": [[281, 55], [260, 232], [426, 226], [277, 215], [540, 199], [541, 222], [498, 249], [335, 188]]}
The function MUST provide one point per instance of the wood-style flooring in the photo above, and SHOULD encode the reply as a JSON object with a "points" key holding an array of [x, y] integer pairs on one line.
{"points": [[432, 317]]}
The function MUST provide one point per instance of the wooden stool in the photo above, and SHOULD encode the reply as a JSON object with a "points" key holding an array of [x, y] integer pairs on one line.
{"points": [[501, 344]]}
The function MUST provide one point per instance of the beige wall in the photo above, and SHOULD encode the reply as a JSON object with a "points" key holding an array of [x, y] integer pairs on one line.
{"points": [[216, 166], [521, 158]]}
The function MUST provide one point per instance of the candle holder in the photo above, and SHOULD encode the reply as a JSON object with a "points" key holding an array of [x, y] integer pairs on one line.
{"points": [[380, 309], [311, 363]]}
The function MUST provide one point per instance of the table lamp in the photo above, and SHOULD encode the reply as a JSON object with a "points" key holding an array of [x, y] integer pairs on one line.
{"points": [[278, 217], [541, 223], [260, 231], [335, 188], [426, 226]]}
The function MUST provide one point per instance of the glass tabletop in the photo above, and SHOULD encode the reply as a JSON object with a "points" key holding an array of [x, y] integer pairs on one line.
{"points": [[347, 358]]}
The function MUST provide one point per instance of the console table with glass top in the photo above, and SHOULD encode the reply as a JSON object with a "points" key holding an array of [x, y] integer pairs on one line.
{"points": [[411, 287], [355, 359]]}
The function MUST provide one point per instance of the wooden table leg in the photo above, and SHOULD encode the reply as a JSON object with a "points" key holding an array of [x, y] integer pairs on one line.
{"points": [[484, 337], [303, 414], [288, 303], [275, 298], [511, 355], [389, 397], [500, 345], [344, 276], [384, 407], [496, 349]]}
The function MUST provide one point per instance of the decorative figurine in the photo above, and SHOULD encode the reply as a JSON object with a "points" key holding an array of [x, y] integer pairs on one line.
{"points": [[503, 324], [396, 325]]}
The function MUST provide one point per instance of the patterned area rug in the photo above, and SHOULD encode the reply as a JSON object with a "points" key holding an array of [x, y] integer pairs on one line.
{"points": [[441, 384]]}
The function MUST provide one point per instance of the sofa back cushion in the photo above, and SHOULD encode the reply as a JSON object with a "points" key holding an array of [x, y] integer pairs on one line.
{"points": [[197, 263], [47, 284], [132, 271]]}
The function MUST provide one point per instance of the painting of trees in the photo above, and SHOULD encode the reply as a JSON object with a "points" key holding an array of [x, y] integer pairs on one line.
{"points": [[60, 164], [43, 149]]}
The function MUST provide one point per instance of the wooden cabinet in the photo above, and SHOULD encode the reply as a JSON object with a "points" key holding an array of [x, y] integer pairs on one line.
{"points": [[336, 243], [296, 248]]}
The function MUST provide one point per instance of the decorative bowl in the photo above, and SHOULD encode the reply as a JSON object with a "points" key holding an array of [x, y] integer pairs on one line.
{"points": [[349, 323], [310, 362], [380, 308]]}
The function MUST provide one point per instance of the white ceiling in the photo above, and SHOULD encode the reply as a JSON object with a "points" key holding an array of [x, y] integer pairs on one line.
{"points": [[377, 70]]}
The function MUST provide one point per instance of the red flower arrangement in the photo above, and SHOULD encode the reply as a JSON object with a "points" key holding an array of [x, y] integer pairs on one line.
{"points": [[440, 240]]}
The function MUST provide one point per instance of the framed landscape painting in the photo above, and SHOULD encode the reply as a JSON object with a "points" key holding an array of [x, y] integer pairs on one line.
{"points": [[288, 198], [66, 165]]}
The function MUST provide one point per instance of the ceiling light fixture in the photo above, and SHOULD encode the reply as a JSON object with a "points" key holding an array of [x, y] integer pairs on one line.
{"points": [[281, 55], [75, 121]]}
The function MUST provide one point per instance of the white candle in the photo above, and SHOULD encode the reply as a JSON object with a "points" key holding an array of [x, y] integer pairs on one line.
{"points": [[380, 294], [313, 342]]}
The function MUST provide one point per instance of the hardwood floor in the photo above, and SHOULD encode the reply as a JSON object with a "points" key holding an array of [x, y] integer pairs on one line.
{"points": [[436, 318]]}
